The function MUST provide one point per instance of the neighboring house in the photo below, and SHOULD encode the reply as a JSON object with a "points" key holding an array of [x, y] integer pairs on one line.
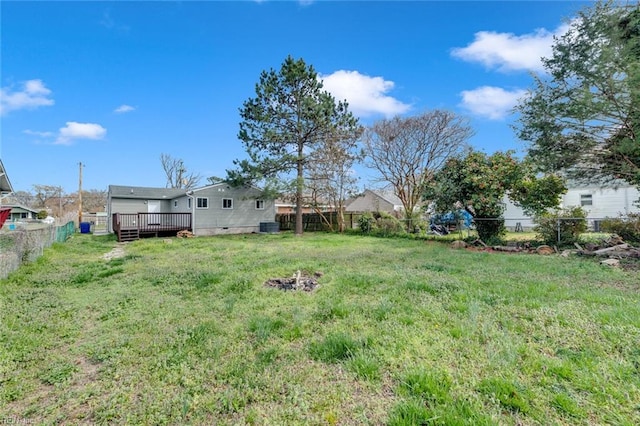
{"points": [[210, 210], [375, 201], [598, 201], [515, 219], [5, 183], [601, 201], [5, 190], [19, 212]]}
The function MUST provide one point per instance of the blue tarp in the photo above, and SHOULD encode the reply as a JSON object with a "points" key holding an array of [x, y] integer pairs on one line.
{"points": [[453, 218]]}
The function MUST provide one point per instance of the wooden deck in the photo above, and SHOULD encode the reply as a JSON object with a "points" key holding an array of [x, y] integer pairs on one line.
{"points": [[133, 226]]}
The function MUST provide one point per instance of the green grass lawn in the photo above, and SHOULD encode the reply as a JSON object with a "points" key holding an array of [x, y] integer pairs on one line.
{"points": [[400, 332]]}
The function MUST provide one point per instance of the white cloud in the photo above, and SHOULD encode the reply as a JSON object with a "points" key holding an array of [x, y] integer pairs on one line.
{"points": [[493, 103], [74, 130], [509, 52], [31, 95], [366, 95], [36, 133], [108, 22], [124, 108]]}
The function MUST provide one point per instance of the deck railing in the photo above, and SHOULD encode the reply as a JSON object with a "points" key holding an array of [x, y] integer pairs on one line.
{"points": [[151, 223]]}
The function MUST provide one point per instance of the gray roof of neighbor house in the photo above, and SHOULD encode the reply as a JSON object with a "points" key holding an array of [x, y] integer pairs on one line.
{"points": [[20, 207], [141, 192], [5, 183], [388, 195]]}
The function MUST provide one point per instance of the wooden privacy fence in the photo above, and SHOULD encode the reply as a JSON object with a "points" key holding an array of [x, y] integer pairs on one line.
{"points": [[314, 221]]}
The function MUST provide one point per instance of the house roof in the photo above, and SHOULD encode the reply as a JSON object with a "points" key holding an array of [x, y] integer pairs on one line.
{"points": [[5, 183], [225, 184], [213, 185], [371, 199], [146, 193], [20, 207], [387, 195]]}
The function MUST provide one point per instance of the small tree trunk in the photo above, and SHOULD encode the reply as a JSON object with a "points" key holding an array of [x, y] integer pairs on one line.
{"points": [[299, 188], [341, 224]]}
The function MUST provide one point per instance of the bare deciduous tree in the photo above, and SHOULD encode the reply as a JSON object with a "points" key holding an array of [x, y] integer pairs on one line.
{"points": [[23, 198], [93, 200], [177, 175], [331, 179], [44, 193], [407, 151]]}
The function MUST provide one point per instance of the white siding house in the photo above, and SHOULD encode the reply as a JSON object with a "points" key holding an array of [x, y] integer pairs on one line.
{"points": [[598, 201], [515, 218], [215, 209], [601, 202]]}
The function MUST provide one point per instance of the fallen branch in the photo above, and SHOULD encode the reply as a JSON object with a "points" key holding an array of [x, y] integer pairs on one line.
{"points": [[506, 248], [481, 242], [610, 249]]}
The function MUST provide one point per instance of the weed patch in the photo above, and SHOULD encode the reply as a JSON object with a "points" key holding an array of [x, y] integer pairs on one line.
{"points": [[432, 387], [402, 331], [508, 394], [335, 347]]}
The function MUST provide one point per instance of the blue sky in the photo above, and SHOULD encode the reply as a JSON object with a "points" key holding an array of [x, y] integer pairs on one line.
{"points": [[116, 84]]}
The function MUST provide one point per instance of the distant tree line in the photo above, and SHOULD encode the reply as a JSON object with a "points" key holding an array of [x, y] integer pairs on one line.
{"points": [[56, 201]]}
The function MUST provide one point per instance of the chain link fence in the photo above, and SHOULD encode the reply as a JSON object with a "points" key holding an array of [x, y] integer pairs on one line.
{"points": [[446, 224], [562, 228], [26, 243]]}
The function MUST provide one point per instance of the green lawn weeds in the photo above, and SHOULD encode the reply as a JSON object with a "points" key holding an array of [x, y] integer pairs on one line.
{"points": [[399, 332]]}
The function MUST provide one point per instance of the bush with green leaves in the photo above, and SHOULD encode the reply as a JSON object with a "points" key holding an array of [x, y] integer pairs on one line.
{"points": [[490, 230], [626, 227], [561, 227], [387, 225], [381, 224], [365, 222], [479, 182]]}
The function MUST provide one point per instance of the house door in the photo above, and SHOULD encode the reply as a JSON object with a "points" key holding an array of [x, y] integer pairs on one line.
{"points": [[153, 206]]}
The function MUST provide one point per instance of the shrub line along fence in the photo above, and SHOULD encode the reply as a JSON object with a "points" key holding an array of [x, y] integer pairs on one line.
{"points": [[314, 222], [26, 245]]}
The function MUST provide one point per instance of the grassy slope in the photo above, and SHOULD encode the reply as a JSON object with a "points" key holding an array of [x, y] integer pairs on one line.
{"points": [[400, 332]]}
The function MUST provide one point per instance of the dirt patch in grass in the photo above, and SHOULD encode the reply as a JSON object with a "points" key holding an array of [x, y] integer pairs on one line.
{"points": [[115, 253], [301, 280], [630, 264]]}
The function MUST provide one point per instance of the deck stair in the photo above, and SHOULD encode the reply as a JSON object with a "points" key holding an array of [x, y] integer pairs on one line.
{"points": [[129, 235]]}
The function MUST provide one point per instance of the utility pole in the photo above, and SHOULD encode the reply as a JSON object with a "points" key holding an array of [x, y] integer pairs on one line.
{"points": [[80, 197]]}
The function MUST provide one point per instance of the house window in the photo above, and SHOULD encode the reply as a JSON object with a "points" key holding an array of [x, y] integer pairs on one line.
{"points": [[227, 203], [202, 203], [189, 202], [175, 204], [586, 200], [259, 204]]}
